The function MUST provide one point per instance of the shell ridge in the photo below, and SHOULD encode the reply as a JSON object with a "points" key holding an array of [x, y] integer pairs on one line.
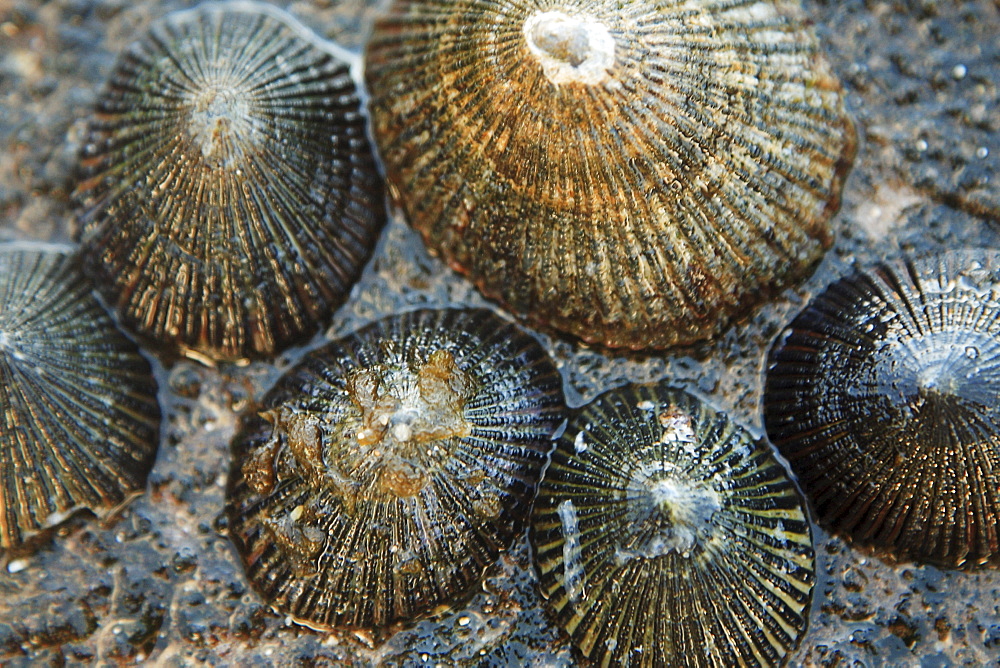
{"points": [[769, 636], [733, 649]]}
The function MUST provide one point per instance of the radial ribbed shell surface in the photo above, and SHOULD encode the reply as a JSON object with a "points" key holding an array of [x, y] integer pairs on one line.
{"points": [[884, 395], [388, 470], [634, 173], [665, 535], [231, 197], [79, 421]]}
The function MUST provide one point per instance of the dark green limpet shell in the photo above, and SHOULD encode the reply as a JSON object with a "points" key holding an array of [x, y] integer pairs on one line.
{"points": [[665, 535], [884, 396], [230, 197], [384, 473], [637, 174], [79, 420]]}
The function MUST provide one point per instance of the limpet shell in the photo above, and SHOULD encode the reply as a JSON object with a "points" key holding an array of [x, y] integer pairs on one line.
{"points": [[79, 420], [663, 534], [636, 174], [884, 396], [231, 197], [387, 471]]}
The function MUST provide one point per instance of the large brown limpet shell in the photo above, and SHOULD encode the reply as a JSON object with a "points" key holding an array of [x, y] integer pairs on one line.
{"points": [[230, 196], [637, 174], [884, 396], [665, 535], [386, 472], [79, 420]]}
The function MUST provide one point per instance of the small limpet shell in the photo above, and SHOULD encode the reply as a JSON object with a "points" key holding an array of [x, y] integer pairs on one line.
{"points": [[79, 420], [665, 535], [884, 396], [636, 174], [384, 473], [231, 197]]}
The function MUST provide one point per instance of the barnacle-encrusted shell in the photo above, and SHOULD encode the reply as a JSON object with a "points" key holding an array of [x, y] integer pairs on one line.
{"points": [[389, 469], [884, 396], [633, 173], [665, 535], [231, 197], [79, 421]]}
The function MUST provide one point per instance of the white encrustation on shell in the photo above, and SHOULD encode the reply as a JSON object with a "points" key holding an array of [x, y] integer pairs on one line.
{"points": [[388, 470]]}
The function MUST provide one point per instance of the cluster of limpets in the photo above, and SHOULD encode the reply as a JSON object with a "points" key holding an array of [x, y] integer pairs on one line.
{"points": [[634, 174], [229, 198]]}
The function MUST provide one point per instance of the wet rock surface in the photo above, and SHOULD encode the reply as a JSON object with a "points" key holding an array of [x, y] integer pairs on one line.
{"points": [[925, 73], [160, 581]]}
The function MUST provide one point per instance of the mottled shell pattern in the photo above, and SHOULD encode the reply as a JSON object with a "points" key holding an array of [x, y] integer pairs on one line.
{"points": [[633, 173], [665, 535], [387, 471], [231, 197], [79, 420], [884, 396]]}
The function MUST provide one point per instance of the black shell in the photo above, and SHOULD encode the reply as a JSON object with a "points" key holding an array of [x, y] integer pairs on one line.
{"points": [[665, 535], [884, 395], [230, 197], [79, 421], [636, 174], [384, 473]]}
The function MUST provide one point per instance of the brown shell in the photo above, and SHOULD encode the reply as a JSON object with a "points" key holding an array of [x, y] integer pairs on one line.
{"points": [[79, 420], [387, 471], [231, 197], [636, 174], [884, 396]]}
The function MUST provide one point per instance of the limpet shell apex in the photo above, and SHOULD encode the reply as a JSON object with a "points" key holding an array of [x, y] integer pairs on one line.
{"points": [[387, 471], [636, 174], [663, 534], [79, 420], [884, 396], [230, 197]]}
